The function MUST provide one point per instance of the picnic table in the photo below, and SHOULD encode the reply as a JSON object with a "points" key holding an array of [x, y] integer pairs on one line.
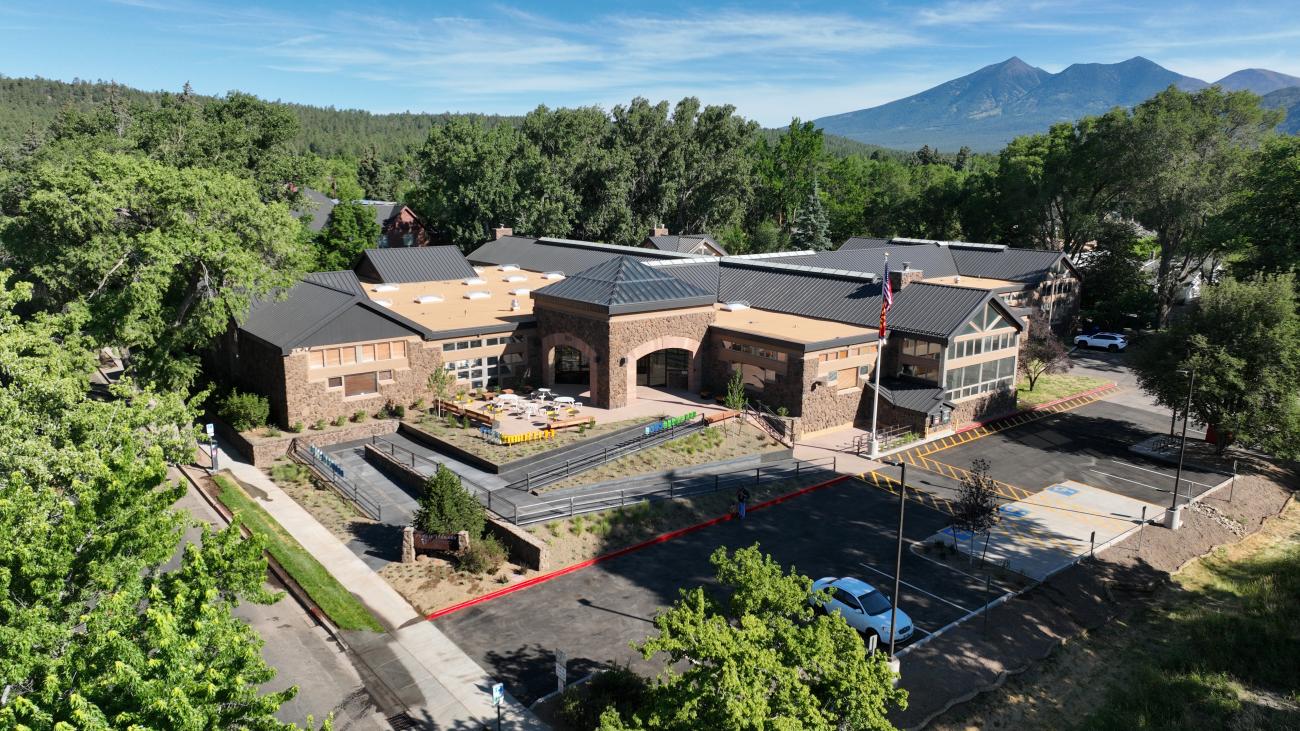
{"points": [[543, 393], [565, 400], [508, 398]]}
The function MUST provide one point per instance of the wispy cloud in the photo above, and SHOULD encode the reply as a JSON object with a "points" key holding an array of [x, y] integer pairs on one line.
{"points": [[962, 12]]}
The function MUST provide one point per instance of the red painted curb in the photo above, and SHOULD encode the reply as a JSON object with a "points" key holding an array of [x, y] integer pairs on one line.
{"points": [[661, 538], [1032, 409]]}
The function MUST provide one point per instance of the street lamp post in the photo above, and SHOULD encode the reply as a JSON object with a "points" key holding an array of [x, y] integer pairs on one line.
{"points": [[1182, 450], [1051, 298], [898, 558]]}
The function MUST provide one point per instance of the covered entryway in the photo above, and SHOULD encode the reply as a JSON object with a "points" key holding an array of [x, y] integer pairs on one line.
{"points": [[669, 368], [571, 366]]}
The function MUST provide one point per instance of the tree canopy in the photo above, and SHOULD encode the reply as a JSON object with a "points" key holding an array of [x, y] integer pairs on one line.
{"points": [[760, 659]]}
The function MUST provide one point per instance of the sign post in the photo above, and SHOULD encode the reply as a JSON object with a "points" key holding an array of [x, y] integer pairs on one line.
{"points": [[561, 670], [212, 442], [498, 695]]}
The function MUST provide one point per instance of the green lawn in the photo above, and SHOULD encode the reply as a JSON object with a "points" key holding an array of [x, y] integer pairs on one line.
{"points": [[1051, 388], [333, 599]]}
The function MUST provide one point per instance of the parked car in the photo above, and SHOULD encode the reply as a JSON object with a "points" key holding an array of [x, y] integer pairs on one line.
{"points": [[864, 607], [1114, 342]]}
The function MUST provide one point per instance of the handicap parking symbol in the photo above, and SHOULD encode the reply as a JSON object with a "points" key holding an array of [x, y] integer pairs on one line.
{"points": [[1063, 490], [1013, 512], [956, 534]]}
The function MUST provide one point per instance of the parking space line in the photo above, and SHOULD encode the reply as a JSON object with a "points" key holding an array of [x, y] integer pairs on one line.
{"points": [[1135, 482], [914, 587], [952, 568], [1158, 472]]}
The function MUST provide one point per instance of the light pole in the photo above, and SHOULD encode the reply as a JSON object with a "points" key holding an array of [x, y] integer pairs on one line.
{"points": [[1051, 298], [898, 558], [1182, 450]]}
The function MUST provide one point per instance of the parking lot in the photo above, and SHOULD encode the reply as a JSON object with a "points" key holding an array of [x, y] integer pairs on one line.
{"points": [[593, 614], [1089, 445]]}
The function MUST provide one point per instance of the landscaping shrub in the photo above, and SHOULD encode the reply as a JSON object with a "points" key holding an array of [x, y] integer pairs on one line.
{"points": [[271, 432], [244, 411], [288, 472], [297, 427], [581, 706], [359, 416], [452, 422], [319, 425], [484, 556], [418, 405], [398, 411], [338, 420], [447, 507]]}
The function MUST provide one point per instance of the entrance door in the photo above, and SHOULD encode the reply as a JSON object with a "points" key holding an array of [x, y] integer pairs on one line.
{"points": [[669, 368], [571, 366]]}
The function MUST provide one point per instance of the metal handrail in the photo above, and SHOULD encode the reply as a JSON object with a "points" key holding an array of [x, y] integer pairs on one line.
{"points": [[675, 489], [343, 486]]}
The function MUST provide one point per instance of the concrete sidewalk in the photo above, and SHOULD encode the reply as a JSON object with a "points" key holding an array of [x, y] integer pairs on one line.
{"points": [[439, 684]]}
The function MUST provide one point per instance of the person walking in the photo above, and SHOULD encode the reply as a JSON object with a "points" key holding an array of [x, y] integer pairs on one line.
{"points": [[742, 497]]}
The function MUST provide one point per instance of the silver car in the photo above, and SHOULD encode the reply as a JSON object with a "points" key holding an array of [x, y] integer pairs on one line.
{"points": [[864, 607]]}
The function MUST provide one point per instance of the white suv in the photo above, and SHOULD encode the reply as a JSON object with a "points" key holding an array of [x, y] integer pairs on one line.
{"points": [[1114, 342]]}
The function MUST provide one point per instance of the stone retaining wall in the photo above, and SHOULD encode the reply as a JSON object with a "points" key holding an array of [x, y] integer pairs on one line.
{"points": [[263, 451]]}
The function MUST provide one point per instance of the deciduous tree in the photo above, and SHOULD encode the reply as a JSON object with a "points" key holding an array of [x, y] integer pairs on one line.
{"points": [[1041, 352], [1243, 341], [760, 659]]}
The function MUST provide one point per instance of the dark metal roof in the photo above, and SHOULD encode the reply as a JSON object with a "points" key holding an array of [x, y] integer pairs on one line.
{"points": [[416, 264], [559, 255], [843, 297], [684, 244], [313, 313], [1016, 265], [924, 398], [622, 285], [938, 310], [345, 281], [933, 260], [317, 205], [702, 273], [860, 242], [384, 210]]}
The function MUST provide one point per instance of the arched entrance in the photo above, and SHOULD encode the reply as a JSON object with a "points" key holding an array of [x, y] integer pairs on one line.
{"points": [[571, 366], [668, 368]]}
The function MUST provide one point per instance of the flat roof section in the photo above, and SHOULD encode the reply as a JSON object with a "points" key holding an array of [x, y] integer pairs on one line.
{"points": [[974, 282], [456, 313], [796, 329]]}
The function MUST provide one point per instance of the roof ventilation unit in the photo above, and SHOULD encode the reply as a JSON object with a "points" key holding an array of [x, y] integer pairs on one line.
{"points": [[516, 278], [509, 267], [553, 275], [477, 295], [473, 280], [520, 292], [735, 306], [385, 288], [425, 299], [384, 303], [478, 270]]}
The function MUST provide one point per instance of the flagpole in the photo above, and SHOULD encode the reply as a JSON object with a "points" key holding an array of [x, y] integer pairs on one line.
{"points": [[880, 349]]}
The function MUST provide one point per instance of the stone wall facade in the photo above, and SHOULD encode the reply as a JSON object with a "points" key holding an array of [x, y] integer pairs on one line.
{"points": [[984, 407], [263, 451], [307, 399], [613, 345]]}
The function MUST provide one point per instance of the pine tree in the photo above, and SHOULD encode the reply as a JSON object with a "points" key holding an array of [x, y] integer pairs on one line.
{"points": [[811, 229], [447, 507]]}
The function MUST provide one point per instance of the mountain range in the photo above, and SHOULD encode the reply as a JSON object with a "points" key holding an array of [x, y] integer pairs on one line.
{"points": [[986, 109]]}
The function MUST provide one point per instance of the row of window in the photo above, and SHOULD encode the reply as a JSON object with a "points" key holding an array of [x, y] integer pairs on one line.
{"points": [[986, 344], [844, 353], [349, 354], [848, 377], [480, 372], [754, 350], [360, 384], [756, 378], [921, 348], [480, 342], [980, 378]]}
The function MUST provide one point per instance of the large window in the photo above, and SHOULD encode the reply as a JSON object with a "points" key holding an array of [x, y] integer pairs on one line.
{"points": [[350, 354], [757, 350], [756, 378], [359, 384], [979, 378], [986, 344], [921, 348]]}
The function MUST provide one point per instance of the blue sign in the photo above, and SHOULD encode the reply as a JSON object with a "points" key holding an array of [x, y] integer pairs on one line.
{"points": [[1063, 490], [1013, 512], [498, 693]]}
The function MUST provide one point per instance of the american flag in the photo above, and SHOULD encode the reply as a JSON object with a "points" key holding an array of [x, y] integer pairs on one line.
{"points": [[887, 299]]}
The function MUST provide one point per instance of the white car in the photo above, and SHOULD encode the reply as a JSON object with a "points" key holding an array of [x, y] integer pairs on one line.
{"points": [[865, 608], [1114, 342]]}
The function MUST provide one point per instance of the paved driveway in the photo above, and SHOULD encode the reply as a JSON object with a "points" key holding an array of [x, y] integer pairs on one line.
{"points": [[593, 614]]}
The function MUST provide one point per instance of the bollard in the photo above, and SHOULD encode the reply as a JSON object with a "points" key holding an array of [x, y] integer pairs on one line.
{"points": [[1141, 528]]}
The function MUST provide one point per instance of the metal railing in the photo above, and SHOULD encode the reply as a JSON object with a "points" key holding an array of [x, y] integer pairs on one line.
{"points": [[780, 428], [890, 437], [341, 484], [402, 454], [548, 475], [545, 510]]}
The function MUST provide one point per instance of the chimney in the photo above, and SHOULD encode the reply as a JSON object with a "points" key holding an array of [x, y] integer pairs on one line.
{"points": [[500, 231], [659, 230], [899, 278]]}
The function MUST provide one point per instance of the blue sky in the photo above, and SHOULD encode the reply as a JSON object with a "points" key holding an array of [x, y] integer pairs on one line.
{"points": [[772, 60]]}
